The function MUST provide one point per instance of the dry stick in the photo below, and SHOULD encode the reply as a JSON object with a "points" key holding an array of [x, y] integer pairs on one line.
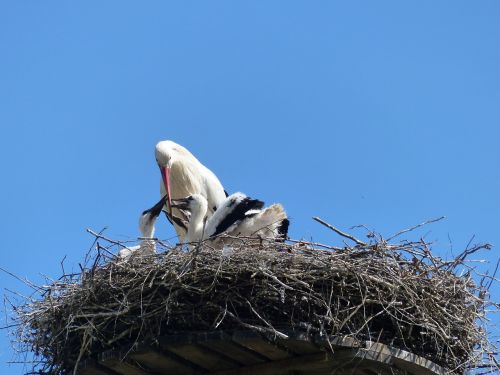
{"points": [[277, 333], [494, 274], [415, 227], [260, 329], [275, 279], [339, 232], [24, 281], [26, 298], [314, 244], [468, 251], [97, 235], [92, 246]]}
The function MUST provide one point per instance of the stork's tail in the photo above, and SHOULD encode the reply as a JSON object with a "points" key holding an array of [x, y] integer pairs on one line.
{"points": [[283, 230], [277, 221]]}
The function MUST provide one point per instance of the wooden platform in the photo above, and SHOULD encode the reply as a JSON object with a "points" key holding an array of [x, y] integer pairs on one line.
{"points": [[242, 353]]}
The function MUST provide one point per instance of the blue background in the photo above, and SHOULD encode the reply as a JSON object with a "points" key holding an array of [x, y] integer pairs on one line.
{"points": [[381, 113]]}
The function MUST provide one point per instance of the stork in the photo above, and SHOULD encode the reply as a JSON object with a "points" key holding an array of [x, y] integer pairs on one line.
{"points": [[183, 175], [237, 215], [147, 223]]}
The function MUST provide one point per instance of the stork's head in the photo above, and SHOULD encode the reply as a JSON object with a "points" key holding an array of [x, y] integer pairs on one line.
{"points": [[195, 204], [167, 151], [148, 219]]}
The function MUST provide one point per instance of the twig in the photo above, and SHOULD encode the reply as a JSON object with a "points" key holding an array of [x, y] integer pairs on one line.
{"points": [[339, 232], [23, 280], [98, 235], [415, 227]]}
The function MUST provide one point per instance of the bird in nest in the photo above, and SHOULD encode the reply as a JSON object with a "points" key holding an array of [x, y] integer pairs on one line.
{"points": [[237, 216]]}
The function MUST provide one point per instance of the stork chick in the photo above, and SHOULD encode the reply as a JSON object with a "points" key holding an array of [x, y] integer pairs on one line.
{"points": [[147, 223], [237, 215]]}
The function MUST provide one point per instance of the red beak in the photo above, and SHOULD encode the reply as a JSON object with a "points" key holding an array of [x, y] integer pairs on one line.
{"points": [[165, 174]]}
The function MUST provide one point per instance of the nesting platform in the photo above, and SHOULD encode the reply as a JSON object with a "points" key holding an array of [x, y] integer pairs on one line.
{"points": [[247, 352]]}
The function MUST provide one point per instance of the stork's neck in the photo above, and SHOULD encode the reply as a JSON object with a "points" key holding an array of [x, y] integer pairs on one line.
{"points": [[197, 222], [149, 231], [147, 225]]}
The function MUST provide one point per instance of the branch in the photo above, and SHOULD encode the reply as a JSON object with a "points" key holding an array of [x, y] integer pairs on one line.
{"points": [[98, 235], [339, 232], [415, 227]]}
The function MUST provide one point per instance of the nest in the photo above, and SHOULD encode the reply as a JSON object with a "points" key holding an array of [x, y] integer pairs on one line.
{"points": [[396, 294]]}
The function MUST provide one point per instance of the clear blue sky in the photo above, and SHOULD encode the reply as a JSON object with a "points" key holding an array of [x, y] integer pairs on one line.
{"points": [[383, 113]]}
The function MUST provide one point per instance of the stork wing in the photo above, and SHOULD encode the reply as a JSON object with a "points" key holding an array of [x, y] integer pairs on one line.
{"points": [[232, 210]]}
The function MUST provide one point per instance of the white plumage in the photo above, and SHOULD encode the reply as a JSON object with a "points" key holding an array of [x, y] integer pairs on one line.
{"points": [[237, 215], [183, 175]]}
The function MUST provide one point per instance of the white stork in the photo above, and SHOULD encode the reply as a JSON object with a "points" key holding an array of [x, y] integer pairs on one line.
{"points": [[237, 215], [147, 223], [183, 175]]}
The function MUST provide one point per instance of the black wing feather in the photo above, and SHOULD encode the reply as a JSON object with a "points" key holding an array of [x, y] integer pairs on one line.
{"points": [[238, 213], [156, 209], [176, 220]]}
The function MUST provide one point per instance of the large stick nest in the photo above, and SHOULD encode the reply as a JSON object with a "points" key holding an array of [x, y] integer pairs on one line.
{"points": [[400, 295]]}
